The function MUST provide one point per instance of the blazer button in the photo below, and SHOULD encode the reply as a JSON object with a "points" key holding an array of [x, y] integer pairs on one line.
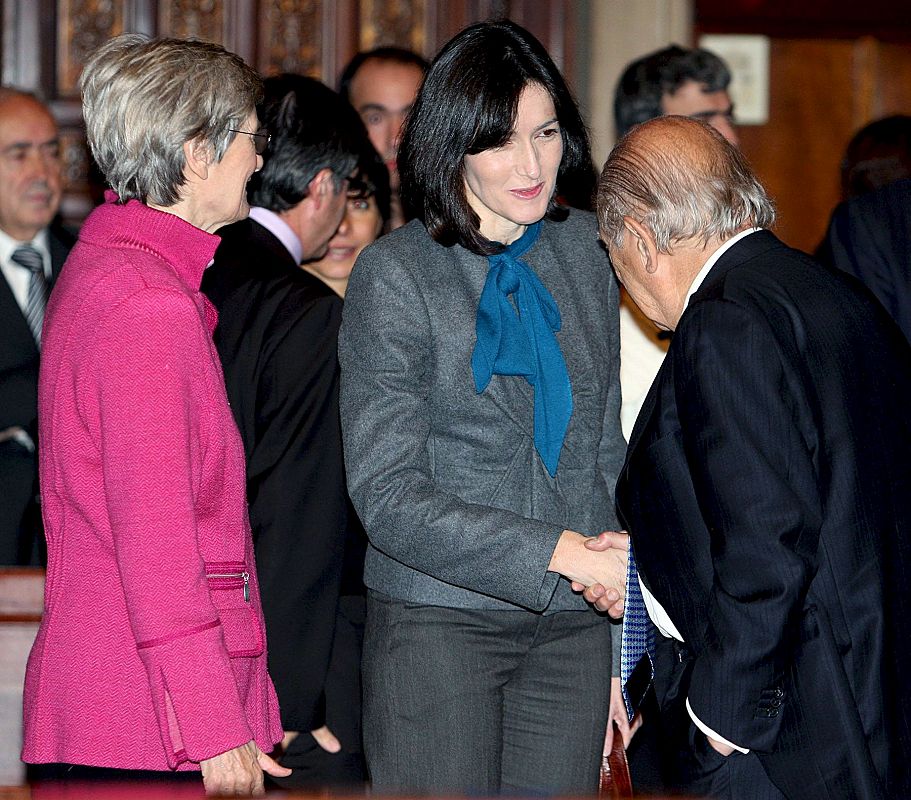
{"points": [[775, 703]]}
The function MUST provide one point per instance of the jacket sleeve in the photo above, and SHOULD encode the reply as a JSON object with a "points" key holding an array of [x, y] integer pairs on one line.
{"points": [[752, 472], [299, 506], [151, 407], [386, 350]]}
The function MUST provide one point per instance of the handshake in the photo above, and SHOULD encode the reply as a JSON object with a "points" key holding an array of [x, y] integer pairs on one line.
{"points": [[596, 566]]}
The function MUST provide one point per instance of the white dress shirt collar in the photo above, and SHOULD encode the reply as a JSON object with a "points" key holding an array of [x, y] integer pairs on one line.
{"points": [[280, 229], [713, 259]]}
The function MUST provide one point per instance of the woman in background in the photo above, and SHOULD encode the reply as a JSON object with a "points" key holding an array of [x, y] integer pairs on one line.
{"points": [[366, 216], [480, 411], [151, 655]]}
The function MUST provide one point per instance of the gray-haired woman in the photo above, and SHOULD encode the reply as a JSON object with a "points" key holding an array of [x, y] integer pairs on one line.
{"points": [[151, 655]]}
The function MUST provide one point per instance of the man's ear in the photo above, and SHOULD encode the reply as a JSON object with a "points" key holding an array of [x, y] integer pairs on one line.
{"points": [[321, 188], [198, 156], [646, 246]]}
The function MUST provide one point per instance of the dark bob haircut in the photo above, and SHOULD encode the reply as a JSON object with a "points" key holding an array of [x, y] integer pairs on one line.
{"points": [[312, 129], [468, 104], [371, 179]]}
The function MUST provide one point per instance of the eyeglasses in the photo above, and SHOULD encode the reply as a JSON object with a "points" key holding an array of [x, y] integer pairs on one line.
{"points": [[261, 139]]}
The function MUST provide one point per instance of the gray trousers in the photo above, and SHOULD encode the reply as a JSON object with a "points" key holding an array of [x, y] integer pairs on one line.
{"points": [[484, 702]]}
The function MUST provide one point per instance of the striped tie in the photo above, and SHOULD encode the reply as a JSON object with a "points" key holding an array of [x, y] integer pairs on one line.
{"points": [[29, 258], [638, 636]]}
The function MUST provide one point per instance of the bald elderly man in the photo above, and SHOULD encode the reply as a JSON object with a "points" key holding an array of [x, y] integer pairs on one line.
{"points": [[766, 488]]}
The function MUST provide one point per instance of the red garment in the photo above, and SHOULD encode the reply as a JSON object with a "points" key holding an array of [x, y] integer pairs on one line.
{"points": [[145, 659]]}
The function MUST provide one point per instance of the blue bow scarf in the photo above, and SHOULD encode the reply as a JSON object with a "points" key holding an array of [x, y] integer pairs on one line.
{"points": [[520, 340]]}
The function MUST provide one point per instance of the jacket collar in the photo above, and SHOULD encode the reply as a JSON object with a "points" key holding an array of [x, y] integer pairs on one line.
{"points": [[188, 250]]}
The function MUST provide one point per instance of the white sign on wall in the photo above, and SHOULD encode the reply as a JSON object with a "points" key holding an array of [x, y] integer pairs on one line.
{"points": [[748, 59]]}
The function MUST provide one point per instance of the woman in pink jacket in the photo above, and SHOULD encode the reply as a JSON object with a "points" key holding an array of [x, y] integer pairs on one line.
{"points": [[151, 655]]}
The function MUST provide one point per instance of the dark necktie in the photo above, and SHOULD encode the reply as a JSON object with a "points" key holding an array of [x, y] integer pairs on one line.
{"points": [[637, 639], [29, 258]]}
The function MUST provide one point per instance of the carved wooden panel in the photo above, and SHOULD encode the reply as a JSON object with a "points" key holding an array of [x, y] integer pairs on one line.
{"points": [[82, 26], [46, 42], [291, 37], [199, 19], [393, 22], [79, 196]]}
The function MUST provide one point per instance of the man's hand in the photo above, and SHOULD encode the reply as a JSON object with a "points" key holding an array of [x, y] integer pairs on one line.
{"points": [[239, 771], [326, 739], [289, 736], [724, 749]]}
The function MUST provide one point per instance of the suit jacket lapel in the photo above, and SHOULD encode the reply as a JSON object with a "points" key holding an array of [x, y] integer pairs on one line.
{"points": [[756, 244], [17, 334], [753, 245], [60, 242]]}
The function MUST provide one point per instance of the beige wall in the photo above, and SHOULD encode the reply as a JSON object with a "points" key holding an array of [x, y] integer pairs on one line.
{"points": [[619, 32]]}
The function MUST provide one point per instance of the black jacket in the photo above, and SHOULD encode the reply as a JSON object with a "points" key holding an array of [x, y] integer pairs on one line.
{"points": [[768, 497], [277, 336]]}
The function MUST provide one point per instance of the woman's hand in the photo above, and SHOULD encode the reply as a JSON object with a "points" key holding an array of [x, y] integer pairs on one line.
{"points": [[239, 771], [595, 565], [618, 714], [603, 596]]}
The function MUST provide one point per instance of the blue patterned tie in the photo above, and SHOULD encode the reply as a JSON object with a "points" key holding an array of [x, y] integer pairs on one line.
{"points": [[638, 637], [29, 258]]}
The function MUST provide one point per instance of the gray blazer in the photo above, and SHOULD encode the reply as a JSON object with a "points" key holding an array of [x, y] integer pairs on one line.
{"points": [[458, 507]]}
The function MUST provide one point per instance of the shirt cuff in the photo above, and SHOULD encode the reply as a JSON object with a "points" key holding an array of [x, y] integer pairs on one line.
{"points": [[709, 732]]}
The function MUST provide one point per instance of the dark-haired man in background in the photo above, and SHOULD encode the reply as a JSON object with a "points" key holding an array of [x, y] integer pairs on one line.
{"points": [[381, 84], [676, 80], [277, 338], [32, 251]]}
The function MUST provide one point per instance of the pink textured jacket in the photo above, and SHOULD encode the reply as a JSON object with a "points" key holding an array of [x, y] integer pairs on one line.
{"points": [[151, 653]]}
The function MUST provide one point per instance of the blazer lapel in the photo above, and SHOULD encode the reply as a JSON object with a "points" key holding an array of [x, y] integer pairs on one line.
{"points": [[60, 242], [648, 410]]}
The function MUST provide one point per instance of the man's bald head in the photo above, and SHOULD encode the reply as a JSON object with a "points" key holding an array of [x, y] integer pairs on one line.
{"points": [[682, 180]]}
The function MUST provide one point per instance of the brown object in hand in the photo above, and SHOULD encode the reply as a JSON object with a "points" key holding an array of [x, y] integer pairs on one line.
{"points": [[616, 783]]}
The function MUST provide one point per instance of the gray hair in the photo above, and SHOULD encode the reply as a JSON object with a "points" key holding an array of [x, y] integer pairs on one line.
{"points": [[690, 184], [143, 99]]}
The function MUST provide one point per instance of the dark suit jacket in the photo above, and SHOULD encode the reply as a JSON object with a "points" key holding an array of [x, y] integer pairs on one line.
{"points": [[277, 337], [20, 518], [870, 237], [768, 495]]}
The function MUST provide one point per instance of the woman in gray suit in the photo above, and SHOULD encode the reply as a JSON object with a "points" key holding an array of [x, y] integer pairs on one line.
{"points": [[480, 408]]}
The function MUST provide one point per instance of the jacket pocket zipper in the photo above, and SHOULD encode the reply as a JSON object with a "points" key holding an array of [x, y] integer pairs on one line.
{"points": [[244, 575]]}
